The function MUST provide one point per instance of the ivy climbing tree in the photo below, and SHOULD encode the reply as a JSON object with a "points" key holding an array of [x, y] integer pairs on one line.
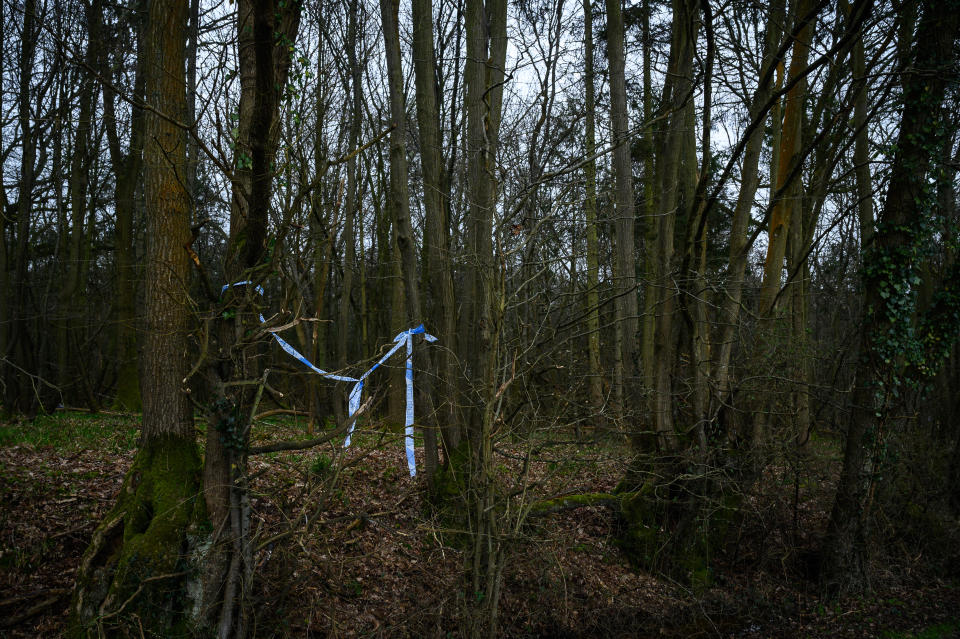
{"points": [[901, 345]]}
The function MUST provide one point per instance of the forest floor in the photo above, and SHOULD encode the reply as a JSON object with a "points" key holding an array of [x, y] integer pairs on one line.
{"points": [[378, 562]]}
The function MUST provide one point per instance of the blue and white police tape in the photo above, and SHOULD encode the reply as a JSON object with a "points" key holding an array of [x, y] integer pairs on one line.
{"points": [[406, 337]]}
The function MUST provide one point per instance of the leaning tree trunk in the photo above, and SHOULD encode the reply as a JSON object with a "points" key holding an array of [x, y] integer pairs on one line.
{"points": [[134, 573], [890, 265]]}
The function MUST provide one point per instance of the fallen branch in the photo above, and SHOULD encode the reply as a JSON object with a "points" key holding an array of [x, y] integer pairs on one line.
{"points": [[311, 443], [280, 411], [55, 596], [572, 502]]}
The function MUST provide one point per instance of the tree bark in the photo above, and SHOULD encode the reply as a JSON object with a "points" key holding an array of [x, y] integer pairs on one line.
{"points": [[438, 268], [889, 265], [486, 26], [400, 204], [590, 209], [266, 33], [789, 154], [131, 573], [626, 280], [127, 169], [673, 182], [19, 393]]}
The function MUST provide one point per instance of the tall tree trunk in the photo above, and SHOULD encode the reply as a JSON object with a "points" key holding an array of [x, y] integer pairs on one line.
{"points": [[80, 166], [651, 226], [5, 302], [674, 181], [624, 216], [486, 24], [129, 575], [438, 268], [19, 393], [127, 169], [266, 32], [400, 203], [889, 266], [739, 249], [322, 223], [861, 150], [349, 228], [193, 148], [789, 154], [590, 208]]}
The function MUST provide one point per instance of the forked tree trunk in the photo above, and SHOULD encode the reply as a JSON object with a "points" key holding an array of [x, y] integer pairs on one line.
{"points": [[400, 206], [438, 268]]}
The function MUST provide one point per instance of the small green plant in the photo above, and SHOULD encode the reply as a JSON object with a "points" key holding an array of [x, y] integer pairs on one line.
{"points": [[321, 466]]}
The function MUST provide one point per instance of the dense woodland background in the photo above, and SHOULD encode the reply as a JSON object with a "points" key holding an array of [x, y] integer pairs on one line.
{"points": [[719, 238]]}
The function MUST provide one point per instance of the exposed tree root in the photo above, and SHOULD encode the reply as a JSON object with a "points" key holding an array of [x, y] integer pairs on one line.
{"points": [[138, 563]]}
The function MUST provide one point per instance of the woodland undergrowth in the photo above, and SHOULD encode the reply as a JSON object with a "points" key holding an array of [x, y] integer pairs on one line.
{"points": [[349, 545]]}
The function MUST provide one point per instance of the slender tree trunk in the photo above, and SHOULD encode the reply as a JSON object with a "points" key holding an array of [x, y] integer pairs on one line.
{"points": [[590, 208], [400, 203], [789, 154], [438, 267], [626, 296], [486, 25], [323, 237], [266, 32], [193, 149], [861, 151], [651, 226], [127, 170], [349, 229], [19, 390], [737, 261], [674, 181], [5, 302], [70, 291]]}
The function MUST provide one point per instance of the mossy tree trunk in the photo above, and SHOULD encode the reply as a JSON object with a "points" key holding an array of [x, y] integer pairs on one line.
{"points": [[137, 567]]}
